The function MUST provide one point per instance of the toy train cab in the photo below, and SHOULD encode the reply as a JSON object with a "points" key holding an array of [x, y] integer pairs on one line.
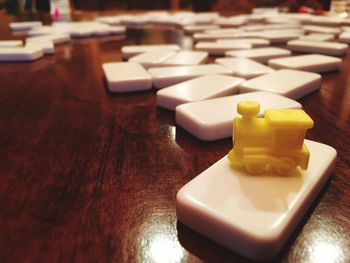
{"points": [[277, 140]]}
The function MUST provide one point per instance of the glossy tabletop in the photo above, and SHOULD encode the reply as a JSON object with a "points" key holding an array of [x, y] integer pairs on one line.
{"points": [[91, 176]]}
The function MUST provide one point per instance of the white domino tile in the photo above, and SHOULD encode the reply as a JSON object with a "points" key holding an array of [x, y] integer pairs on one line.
{"points": [[327, 48], [255, 42], [46, 45], [55, 38], [166, 76], [11, 43], [281, 36], [81, 32], [230, 21], [116, 30], [326, 21], [213, 37], [109, 20], [293, 84], [216, 48], [317, 37], [43, 30], [311, 62], [126, 77], [244, 68], [211, 120], [201, 88], [152, 59], [253, 215], [261, 55], [25, 25], [21, 53], [345, 28], [186, 58], [322, 29], [224, 31], [345, 37], [132, 50], [191, 29]]}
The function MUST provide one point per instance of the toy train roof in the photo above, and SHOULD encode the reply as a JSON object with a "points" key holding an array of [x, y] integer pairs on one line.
{"points": [[289, 118]]}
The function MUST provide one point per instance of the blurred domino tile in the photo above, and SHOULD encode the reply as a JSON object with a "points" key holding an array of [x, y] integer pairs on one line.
{"points": [[11, 43], [211, 119], [170, 58], [197, 89], [261, 55], [293, 84], [311, 62], [166, 76], [244, 68]]}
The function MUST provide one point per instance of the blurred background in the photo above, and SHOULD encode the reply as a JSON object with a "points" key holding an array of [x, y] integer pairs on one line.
{"points": [[14, 6]]}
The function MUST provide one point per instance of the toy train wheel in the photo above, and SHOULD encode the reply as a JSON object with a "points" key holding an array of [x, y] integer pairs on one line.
{"points": [[256, 168], [286, 166]]}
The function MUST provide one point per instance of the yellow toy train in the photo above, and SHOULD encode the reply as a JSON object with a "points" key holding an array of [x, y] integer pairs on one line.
{"points": [[277, 140]]}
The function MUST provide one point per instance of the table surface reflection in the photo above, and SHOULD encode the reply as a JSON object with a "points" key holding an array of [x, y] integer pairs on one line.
{"points": [[87, 175]]}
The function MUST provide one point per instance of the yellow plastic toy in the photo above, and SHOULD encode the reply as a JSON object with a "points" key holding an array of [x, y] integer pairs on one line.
{"points": [[277, 140]]}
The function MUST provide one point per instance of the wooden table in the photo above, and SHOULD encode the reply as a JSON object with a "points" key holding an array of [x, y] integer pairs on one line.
{"points": [[86, 175]]}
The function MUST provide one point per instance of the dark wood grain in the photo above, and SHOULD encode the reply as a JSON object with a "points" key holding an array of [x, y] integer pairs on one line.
{"points": [[86, 175]]}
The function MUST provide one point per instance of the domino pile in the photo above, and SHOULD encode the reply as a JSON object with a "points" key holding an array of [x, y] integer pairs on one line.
{"points": [[42, 39], [222, 203], [248, 63], [247, 54], [246, 57]]}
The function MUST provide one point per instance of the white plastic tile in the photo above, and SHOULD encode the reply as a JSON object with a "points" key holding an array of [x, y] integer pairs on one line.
{"points": [[293, 84], [216, 48], [151, 59], [186, 58], [43, 30], [25, 25], [224, 31], [201, 88], [129, 51], [211, 120], [126, 76], [281, 36], [255, 42], [345, 37], [11, 43], [327, 48], [244, 68], [199, 28], [46, 45], [101, 32], [317, 37], [345, 28], [21, 53], [322, 29], [115, 30], [253, 215], [81, 32], [261, 55], [56, 38], [213, 37], [326, 20], [230, 21], [166, 76], [109, 20], [312, 62]]}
